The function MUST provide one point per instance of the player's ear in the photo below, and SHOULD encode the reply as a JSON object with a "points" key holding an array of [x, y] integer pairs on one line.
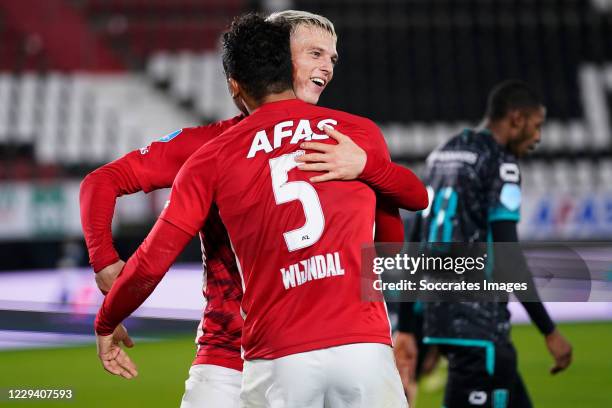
{"points": [[517, 119], [233, 87]]}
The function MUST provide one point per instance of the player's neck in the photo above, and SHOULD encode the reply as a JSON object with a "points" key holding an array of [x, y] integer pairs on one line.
{"points": [[288, 94], [251, 105], [496, 129]]}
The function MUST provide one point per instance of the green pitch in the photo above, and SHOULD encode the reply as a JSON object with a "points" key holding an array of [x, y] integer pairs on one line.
{"points": [[163, 368]]}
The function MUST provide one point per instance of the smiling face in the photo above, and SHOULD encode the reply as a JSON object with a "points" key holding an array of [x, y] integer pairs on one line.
{"points": [[314, 55]]}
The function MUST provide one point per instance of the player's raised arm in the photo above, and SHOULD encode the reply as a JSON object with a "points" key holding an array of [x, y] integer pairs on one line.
{"points": [[147, 169], [348, 161]]}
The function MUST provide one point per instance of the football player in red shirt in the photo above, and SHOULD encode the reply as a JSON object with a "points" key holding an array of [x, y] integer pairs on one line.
{"points": [[297, 244], [215, 376]]}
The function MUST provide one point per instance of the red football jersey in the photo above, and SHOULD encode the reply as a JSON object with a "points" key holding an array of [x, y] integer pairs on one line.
{"points": [[151, 168], [298, 244]]}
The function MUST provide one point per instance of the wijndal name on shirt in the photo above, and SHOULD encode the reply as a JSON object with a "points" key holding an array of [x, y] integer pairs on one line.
{"points": [[298, 131], [314, 268]]}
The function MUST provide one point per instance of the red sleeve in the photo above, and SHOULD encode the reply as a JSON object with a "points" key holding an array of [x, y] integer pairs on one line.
{"points": [[98, 194], [393, 182], [389, 228], [147, 169], [389, 224], [140, 275]]}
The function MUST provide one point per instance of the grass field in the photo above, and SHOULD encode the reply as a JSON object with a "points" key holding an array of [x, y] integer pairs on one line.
{"points": [[163, 367]]}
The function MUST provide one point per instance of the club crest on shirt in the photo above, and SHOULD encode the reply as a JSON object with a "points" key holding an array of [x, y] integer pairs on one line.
{"points": [[170, 136]]}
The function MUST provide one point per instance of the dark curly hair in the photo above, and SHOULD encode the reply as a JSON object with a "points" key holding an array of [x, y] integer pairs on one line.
{"points": [[256, 53]]}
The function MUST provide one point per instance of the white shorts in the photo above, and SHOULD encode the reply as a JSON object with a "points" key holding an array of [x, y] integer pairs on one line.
{"points": [[211, 386], [349, 376]]}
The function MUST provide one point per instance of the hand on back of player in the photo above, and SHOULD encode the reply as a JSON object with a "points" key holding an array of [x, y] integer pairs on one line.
{"points": [[560, 349], [342, 161], [114, 359]]}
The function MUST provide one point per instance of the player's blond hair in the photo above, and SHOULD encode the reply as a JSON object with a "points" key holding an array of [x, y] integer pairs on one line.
{"points": [[296, 18]]}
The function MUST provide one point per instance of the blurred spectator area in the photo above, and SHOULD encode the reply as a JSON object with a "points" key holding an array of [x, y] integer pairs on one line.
{"points": [[80, 119], [432, 60], [137, 28], [72, 91], [106, 35], [50, 35]]}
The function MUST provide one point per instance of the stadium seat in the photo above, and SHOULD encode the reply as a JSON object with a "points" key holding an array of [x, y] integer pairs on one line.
{"points": [[604, 171], [6, 83], [577, 137], [539, 176], [585, 173], [552, 138]]}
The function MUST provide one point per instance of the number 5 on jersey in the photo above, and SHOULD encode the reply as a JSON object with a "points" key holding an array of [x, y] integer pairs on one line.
{"points": [[285, 192]]}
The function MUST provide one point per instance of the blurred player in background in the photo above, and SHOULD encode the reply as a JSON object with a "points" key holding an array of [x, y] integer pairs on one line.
{"points": [[478, 189], [215, 374], [308, 339]]}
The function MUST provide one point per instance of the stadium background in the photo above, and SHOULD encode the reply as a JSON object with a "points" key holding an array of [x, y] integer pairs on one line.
{"points": [[84, 81]]}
